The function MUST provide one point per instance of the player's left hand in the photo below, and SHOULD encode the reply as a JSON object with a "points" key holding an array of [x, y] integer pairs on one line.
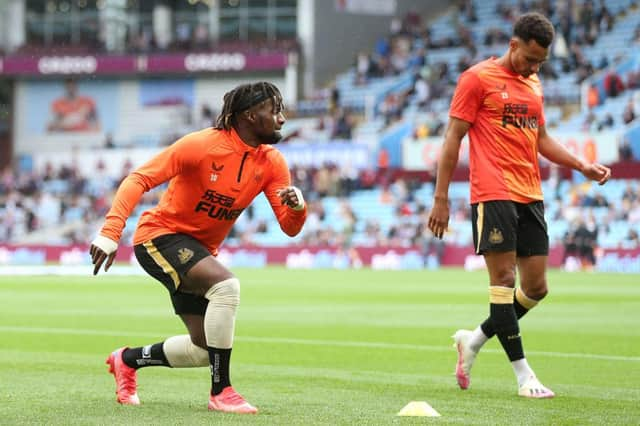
{"points": [[292, 197], [597, 172]]}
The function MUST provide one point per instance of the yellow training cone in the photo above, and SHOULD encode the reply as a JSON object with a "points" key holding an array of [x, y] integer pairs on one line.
{"points": [[418, 408]]}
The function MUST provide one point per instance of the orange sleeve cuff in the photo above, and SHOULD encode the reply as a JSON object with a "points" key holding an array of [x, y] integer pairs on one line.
{"points": [[292, 221]]}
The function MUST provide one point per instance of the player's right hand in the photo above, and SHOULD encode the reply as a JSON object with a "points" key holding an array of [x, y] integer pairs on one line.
{"points": [[439, 217], [102, 248]]}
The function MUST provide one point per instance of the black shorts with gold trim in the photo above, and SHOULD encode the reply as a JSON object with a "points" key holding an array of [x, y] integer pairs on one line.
{"points": [[168, 258], [505, 225]]}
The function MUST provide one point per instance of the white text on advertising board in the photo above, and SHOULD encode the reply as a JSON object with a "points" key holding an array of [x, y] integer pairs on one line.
{"points": [[67, 64], [215, 62]]}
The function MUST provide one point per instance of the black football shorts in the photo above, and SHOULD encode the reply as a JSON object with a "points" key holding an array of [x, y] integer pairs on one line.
{"points": [[168, 258], [505, 225]]}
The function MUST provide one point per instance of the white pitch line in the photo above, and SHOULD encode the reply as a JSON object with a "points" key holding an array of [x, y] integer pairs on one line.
{"points": [[77, 331], [384, 345], [314, 342]]}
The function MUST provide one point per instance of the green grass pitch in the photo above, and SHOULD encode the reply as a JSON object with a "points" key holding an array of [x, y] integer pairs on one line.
{"points": [[322, 347]]}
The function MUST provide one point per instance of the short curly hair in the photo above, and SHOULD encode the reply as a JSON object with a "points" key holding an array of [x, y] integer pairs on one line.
{"points": [[534, 26]]}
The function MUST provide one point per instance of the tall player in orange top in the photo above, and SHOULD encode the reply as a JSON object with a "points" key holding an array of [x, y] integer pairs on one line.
{"points": [[499, 102], [213, 175]]}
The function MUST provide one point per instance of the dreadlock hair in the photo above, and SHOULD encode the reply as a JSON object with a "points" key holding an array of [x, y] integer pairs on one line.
{"points": [[244, 97], [534, 26]]}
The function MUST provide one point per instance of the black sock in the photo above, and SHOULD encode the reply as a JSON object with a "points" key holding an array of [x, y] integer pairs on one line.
{"points": [[505, 323], [219, 360], [145, 356], [487, 326]]}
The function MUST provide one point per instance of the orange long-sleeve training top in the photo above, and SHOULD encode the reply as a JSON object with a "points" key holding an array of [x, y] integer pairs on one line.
{"points": [[213, 176]]}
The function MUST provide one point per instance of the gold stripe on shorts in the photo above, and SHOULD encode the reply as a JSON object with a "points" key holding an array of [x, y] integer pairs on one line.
{"points": [[162, 262], [479, 223]]}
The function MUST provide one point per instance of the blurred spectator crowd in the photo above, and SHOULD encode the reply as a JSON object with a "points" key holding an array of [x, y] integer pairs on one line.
{"points": [[346, 208], [408, 76]]}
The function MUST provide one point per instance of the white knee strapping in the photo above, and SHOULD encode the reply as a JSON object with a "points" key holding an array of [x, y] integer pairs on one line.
{"points": [[227, 292], [182, 353], [220, 317]]}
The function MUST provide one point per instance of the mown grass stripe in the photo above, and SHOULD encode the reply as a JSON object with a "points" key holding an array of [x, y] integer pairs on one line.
{"points": [[315, 342]]}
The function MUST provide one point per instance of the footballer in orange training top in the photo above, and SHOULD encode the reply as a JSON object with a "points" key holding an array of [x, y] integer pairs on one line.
{"points": [[499, 102], [213, 175]]}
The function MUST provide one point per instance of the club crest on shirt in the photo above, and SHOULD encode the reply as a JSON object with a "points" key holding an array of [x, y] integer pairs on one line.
{"points": [[216, 169], [184, 255], [495, 236], [258, 176]]}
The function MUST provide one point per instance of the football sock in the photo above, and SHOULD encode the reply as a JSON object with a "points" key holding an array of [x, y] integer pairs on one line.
{"points": [[522, 370], [219, 325], [219, 360], [478, 338], [504, 321], [181, 352], [145, 356], [525, 302], [521, 303]]}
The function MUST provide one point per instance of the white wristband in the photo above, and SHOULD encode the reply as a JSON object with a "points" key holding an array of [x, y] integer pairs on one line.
{"points": [[105, 244], [300, 198]]}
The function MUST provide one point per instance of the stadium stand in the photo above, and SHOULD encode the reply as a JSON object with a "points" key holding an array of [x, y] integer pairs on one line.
{"points": [[398, 91]]}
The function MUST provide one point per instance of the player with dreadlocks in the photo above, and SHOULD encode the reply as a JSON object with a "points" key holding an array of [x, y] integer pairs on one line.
{"points": [[213, 175]]}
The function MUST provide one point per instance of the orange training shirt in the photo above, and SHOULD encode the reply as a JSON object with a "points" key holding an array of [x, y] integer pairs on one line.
{"points": [[505, 111], [213, 176]]}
